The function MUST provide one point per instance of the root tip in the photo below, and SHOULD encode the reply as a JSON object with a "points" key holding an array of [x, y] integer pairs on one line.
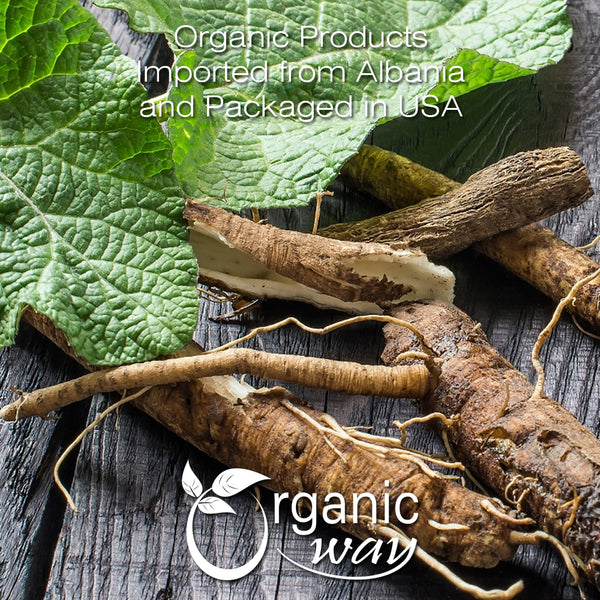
{"points": [[515, 589], [6, 413]]}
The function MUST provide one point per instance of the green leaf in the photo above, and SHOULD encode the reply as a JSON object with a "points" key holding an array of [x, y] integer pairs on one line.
{"points": [[91, 228], [274, 161]]}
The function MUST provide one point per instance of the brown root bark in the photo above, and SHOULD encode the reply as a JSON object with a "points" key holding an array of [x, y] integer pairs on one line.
{"points": [[538, 256], [515, 191], [265, 261], [527, 448], [338, 376], [258, 432], [533, 253], [242, 427]]}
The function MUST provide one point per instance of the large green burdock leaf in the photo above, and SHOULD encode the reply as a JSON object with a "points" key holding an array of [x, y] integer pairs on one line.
{"points": [[274, 161], [91, 230]]}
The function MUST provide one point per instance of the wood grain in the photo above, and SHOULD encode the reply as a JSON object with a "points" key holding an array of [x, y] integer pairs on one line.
{"points": [[128, 539]]}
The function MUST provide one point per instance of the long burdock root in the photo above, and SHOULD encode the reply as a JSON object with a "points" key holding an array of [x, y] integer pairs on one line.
{"points": [[260, 432], [405, 381], [526, 447], [515, 191], [340, 376], [538, 256], [533, 253]]}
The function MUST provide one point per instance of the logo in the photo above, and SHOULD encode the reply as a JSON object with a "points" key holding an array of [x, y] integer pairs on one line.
{"points": [[227, 484], [396, 551]]}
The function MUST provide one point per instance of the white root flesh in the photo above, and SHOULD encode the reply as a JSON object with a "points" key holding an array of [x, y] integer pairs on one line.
{"points": [[266, 262]]}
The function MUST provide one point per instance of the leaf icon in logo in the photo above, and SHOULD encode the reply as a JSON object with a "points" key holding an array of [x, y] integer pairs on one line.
{"points": [[232, 481], [190, 483], [211, 505]]}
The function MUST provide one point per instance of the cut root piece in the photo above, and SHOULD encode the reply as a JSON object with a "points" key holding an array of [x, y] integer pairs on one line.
{"points": [[515, 191], [264, 261]]}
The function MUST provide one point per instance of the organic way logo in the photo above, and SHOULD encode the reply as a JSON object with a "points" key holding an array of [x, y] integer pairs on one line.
{"points": [[227, 484], [400, 549]]}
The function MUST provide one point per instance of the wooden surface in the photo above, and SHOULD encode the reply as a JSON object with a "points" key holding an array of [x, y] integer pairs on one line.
{"points": [[128, 538]]}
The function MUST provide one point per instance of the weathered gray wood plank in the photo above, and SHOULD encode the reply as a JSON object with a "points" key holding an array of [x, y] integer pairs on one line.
{"points": [[128, 541], [32, 509]]}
